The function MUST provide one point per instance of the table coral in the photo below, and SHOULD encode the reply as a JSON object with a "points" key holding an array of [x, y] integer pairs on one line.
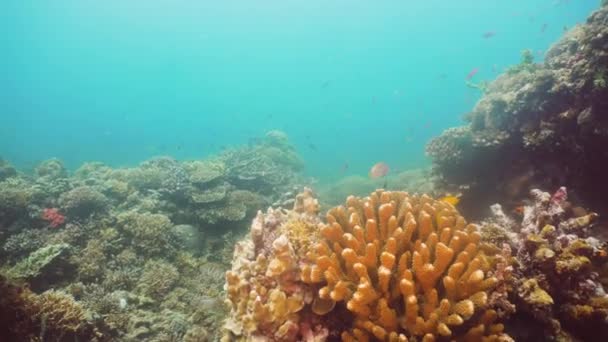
{"points": [[406, 267]]}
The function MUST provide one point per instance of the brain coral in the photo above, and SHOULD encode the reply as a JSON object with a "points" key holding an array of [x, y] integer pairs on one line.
{"points": [[388, 267]]}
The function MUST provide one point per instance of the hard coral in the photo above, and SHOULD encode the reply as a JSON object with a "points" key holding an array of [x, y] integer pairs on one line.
{"points": [[264, 289], [83, 201], [53, 217], [406, 267], [50, 316], [388, 267], [151, 234], [558, 266], [537, 124]]}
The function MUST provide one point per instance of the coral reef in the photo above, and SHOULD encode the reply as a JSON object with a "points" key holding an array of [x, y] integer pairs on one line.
{"points": [[42, 266], [82, 201], [390, 267], [537, 125], [151, 234], [6, 170], [263, 287], [51, 169], [266, 167], [50, 316], [128, 254], [557, 268]]}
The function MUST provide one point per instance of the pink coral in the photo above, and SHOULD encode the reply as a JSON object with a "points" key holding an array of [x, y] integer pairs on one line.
{"points": [[53, 217]]}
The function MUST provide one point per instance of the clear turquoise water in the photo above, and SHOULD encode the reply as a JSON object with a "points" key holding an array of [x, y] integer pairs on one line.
{"points": [[350, 81]]}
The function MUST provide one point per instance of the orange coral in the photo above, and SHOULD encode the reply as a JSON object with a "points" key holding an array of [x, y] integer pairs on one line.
{"points": [[263, 287], [405, 266]]}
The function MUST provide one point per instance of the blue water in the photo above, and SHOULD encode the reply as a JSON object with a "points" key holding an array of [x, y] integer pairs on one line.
{"points": [[350, 81]]}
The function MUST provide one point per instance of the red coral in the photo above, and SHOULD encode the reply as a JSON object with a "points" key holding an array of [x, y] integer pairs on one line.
{"points": [[53, 216]]}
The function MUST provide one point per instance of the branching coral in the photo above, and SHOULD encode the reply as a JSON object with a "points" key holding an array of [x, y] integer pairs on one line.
{"points": [[405, 267], [389, 267], [150, 233], [50, 316]]}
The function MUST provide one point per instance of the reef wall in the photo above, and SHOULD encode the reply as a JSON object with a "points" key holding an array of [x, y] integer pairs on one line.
{"points": [[537, 125]]}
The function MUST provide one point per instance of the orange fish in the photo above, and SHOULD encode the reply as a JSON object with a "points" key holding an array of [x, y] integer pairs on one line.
{"points": [[519, 210], [378, 170]]}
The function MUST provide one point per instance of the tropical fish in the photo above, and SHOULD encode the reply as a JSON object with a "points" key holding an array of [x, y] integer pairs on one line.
{"points": [[518, 210], [543, 28], [488, 34], [452, 199], [378, 170], [472, 73]]}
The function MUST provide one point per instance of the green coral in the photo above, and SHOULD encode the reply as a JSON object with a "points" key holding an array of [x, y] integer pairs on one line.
{"points": [[91, 260], [157, 279], [599, 79], [208, 195], [204, 171], [150, 234], [50, 316], [16, 194], [38, 262], [83, 201]]}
